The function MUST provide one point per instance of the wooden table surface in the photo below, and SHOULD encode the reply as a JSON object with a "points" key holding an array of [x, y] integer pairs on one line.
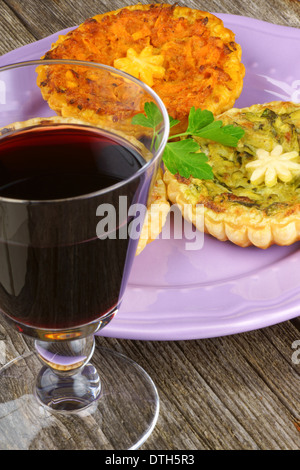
{"points": [[233, 392]]}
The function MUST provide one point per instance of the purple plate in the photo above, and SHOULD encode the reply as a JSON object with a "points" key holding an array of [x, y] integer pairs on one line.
{"points": [[221, 289]]}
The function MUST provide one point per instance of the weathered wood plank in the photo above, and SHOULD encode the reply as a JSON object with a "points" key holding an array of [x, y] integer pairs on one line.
{"points": [[48, 16], [296, 323], [236, 392], [13, 33]]}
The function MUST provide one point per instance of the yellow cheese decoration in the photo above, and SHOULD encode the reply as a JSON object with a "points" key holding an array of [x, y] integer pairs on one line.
{"points": [[271, 166], [144, 66]]}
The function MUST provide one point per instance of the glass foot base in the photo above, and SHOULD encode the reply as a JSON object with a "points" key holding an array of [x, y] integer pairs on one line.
{"points": [[121, 418], [70, 393]]}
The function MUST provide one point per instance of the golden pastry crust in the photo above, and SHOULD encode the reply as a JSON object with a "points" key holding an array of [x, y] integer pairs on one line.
{"points": [[38, 121], [156, 215], [187, 56], [235, 208]]}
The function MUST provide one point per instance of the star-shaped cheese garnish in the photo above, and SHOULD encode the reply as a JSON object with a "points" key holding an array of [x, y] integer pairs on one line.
{"points": [[274, 165], [144, 66]]}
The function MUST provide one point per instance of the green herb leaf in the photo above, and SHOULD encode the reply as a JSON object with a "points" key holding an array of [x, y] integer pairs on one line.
{"points": [[181, 157], [198, 119], [173, 122], [226, 135], [152, 119]]}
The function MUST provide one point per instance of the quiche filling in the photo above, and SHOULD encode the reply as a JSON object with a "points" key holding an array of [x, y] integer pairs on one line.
{"points": [[270, 147], [186, 55]]}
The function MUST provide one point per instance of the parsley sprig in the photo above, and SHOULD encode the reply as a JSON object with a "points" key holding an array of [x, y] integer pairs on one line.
{"points": [[184, 156]]}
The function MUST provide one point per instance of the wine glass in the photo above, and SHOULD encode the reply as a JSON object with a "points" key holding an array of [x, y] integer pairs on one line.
{"points": [[76, 174]]}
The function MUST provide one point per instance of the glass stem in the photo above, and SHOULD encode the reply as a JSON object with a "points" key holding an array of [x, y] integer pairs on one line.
{"points": [[67, 382]]}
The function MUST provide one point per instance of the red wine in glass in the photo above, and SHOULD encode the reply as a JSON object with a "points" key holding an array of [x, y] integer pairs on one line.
{"points": [[55, 272]]}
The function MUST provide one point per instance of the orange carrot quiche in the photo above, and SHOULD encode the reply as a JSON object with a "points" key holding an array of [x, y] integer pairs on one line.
{"points": [[187, 56], [254, 197]]}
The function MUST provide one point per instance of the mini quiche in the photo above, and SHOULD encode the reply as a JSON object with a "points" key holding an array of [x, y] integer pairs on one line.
{"points": [[254, 197], [187, 56]]}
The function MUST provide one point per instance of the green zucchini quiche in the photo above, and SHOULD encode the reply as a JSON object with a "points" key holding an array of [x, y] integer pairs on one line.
{"points": [[254, 197]]}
